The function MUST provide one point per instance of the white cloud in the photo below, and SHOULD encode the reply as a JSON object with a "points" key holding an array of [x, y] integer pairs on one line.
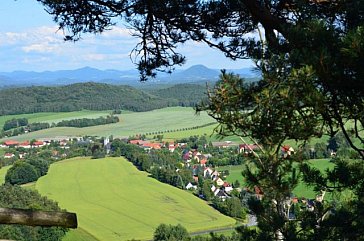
{"points": [[43, 48], [117, 32], [92, 57], [41, 60]]}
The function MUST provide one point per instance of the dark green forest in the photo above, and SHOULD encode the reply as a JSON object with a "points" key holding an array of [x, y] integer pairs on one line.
{"points": [[185, 94], [95, 96]]}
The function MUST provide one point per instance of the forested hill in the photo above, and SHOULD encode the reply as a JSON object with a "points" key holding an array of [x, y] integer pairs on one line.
{"points": [[90, 96], [94, 96], [184, 94]]}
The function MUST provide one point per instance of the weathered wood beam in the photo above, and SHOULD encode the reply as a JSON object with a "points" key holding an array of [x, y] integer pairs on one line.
{"points": [[37, 218]]}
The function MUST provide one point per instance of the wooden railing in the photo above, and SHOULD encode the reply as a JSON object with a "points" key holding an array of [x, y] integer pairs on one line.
{"points": [[37, 218]]}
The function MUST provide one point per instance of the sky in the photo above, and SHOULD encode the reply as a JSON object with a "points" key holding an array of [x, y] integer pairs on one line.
{"points": [[30, 41]]}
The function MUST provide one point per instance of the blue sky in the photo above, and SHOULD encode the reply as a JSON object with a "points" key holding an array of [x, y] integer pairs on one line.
{"points": [[29, 40]]}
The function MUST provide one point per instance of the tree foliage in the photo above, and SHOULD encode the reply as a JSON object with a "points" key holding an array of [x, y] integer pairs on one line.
{"points": [[170, 233], [75, 97], [85, 122], [14, 123], [21, 172], [27, 171]]}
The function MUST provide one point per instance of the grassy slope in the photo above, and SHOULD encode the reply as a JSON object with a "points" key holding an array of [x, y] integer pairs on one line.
{"points": [[3, 171], [130, 124], [78, 234], [115, 201]]}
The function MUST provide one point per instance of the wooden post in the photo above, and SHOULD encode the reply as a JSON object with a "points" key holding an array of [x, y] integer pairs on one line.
{"points": [[37, 218]]}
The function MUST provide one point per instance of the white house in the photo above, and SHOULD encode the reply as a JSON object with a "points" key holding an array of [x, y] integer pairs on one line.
{"points": [[9, 155], [191, 186], [207, 172]]}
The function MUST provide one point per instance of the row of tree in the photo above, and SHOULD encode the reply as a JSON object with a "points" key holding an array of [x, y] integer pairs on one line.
{"points": [[85, 122], [162, 164], [14, 123]]}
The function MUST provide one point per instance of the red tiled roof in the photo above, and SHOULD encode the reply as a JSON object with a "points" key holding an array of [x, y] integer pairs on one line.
{"points": [[9, 154], [285, 148], [152, 145], [249, 146], [203, 161], [135, 142], [10, 143], [25, 143], [38, 143], [226, 184]]}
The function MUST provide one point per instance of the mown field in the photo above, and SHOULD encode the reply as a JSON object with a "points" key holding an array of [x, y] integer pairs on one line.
{"points": [[115, 201], [131, 123]]}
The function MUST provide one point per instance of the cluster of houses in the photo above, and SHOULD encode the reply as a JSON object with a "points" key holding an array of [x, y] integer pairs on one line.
{"points": [[219, 187], [25, 144], [199, 163], [148, 145], [28, 145], [16, 144]]}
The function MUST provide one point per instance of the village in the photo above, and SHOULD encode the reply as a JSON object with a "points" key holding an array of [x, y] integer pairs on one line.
{"points": [[198, 162]]}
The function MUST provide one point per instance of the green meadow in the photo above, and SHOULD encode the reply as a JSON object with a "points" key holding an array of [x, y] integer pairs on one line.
{"points": [[131, 123], [301, 190], [115, 201], [234, 173]]}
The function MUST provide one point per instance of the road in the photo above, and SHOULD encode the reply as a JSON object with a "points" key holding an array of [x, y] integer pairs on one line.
{"points": [[252, 221]]}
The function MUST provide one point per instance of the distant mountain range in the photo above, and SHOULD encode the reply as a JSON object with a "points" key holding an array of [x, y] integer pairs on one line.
{"points": [[194, 74]]}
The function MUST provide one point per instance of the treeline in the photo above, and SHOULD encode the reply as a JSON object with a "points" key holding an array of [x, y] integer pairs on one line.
{"points": [[162, 165], [14, 123], [169, 232], [85, 122], [95, 96], [36, 126], [176, 130]]}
